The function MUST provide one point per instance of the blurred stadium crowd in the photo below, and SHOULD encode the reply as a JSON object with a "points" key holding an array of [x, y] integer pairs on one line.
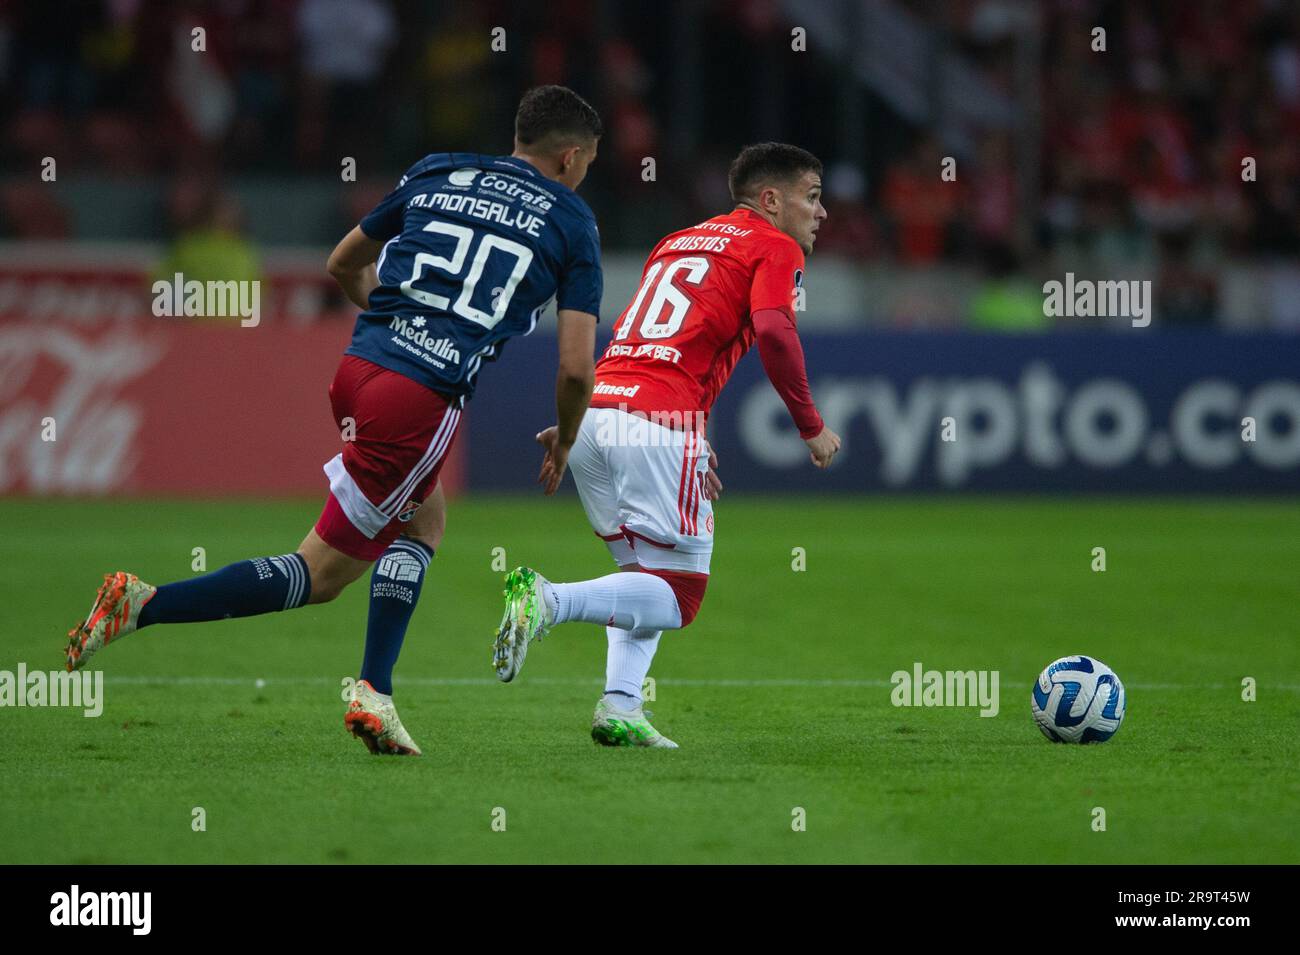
{"points": [[1066, 157]]}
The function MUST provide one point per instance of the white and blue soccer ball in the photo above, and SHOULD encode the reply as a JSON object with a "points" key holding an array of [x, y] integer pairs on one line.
{"points": [[1078, 700]]}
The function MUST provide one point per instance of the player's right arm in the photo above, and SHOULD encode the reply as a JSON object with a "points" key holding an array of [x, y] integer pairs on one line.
{"points": [[577, 303], [352, 263]]}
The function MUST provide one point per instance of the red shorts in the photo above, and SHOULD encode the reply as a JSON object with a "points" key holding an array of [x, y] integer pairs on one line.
{"points": [[403, 432]]}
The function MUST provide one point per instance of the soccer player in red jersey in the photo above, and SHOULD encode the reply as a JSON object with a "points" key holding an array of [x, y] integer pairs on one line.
{"points": [[641, 462]]}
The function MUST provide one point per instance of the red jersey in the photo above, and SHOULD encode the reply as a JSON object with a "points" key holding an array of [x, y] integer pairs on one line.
{"points": [[676, 344]]}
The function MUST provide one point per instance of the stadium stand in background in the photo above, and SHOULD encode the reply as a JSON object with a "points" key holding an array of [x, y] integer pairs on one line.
{"points": [[1127, 163]]}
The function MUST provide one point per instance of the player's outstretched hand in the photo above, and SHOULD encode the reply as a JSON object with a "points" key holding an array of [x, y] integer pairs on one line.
{"points": [[823, 446], [712, 483], [555, 461]]}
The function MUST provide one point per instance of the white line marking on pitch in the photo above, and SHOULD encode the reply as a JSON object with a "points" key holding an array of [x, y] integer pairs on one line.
{"points": [[554, 681]]}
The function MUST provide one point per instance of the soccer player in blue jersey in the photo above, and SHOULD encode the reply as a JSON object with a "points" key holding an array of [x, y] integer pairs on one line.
{"points": [[466, 252]]}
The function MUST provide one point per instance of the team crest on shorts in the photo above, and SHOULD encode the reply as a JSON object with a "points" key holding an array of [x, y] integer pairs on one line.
{"points": [[708, 523], [408, 511]]}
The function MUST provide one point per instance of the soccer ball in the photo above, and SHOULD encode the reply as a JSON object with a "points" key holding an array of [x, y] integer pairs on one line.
{"points": [[1078, 700]]}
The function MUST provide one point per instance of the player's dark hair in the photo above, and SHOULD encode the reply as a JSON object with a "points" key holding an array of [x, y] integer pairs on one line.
{"points": [[555, 112], [767, 164]]}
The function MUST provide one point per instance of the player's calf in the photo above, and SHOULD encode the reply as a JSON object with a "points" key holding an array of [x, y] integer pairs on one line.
{"points": [[330, 570], [125, 604], [395, 587], [650, 601], [636, 601]]}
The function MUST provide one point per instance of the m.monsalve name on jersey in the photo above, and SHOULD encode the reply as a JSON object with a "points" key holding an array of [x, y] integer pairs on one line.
{"points": [[475, 247]]}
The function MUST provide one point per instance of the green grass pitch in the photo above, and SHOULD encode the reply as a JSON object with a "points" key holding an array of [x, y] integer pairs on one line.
{"points": [[778, 694]]}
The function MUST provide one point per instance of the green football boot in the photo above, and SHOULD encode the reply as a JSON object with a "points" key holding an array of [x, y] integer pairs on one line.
{"points": [[526, 619], [611, 726]]}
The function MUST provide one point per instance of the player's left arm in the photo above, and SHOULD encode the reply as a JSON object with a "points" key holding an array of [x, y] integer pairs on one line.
{"points": [[577, 304], [576, 337], [352, 263], [782, 356], [781, 352], [773, 292], [712, 483]]}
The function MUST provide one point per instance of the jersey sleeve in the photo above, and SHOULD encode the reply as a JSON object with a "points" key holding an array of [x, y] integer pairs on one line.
{"points": [[777, 276], [781, 352], [582, 283]]}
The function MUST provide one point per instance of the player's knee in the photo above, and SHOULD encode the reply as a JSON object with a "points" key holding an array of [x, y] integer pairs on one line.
{"points": [[430, 520], [688, 607], [687, 588], [327, 583], [430, 538], [324, 590], [329, 570]]}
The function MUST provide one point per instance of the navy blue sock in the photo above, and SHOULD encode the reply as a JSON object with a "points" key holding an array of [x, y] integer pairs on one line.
{"points": [[394, 589], [244, 589]]}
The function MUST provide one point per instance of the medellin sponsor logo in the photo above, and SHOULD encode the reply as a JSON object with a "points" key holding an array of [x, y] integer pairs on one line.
{"points": [[444, 348]]}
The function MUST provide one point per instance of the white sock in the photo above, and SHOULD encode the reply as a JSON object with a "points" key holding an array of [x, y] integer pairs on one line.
{"points": [[630, 601], [630, 653]]}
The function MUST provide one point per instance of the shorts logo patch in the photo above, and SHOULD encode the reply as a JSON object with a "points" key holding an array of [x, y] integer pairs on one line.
{"points": [[708, 523], [408, 511]]}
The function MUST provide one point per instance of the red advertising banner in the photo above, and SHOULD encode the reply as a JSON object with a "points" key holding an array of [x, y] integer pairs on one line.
{"points": [[74, 284], [171, 406]]}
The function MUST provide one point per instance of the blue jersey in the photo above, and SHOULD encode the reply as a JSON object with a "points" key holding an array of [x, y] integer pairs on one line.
{"points": [[475, 248]]}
